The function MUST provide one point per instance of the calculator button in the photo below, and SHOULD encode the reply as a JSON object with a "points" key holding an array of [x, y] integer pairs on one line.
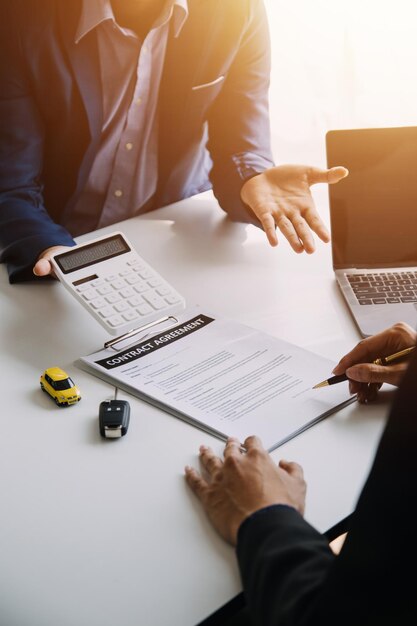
{"points": [[154, 282], [145, 273], [130, 315], [127, 292], [90, 294], [144, 309], [173, 299], [125, 273], [163, 291], [135, 301], [111, 278], [132, 279], [106, 311], [103, 291], [97, 303], [113, 297], [141, 287], [118, 284], [154, 300], [115, 321], [84, 287], [121, 306], [98, 282]]}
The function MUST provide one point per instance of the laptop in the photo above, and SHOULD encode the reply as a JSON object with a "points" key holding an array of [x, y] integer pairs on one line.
{"points": [[373, 220]]}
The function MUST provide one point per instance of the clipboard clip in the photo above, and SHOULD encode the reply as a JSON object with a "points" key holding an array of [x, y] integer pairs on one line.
{"points": [[112, 343]]}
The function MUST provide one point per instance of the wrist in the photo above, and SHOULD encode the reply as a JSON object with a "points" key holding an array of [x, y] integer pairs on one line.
{"points": [[266, 508]]}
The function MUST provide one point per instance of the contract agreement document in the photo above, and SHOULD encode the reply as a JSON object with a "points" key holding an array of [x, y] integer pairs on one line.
{"points": [[225, 378]]}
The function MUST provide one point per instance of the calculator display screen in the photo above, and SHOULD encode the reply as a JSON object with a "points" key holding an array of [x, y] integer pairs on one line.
{"points": [[92, 253]]}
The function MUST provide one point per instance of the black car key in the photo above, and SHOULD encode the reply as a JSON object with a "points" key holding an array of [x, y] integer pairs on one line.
{"points": [[114, 416]]}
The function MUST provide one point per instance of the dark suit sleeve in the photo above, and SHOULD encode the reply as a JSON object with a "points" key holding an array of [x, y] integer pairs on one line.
{"points": [[290, 577], [283, 562], [25, 226], [239, 131], [375, 574]]}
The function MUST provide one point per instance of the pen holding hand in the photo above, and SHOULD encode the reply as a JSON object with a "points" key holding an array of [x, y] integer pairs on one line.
{"points": [[365, 376]]}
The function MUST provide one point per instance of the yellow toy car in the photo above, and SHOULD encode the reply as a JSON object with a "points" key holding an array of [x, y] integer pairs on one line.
{"points": [[60, 386]]}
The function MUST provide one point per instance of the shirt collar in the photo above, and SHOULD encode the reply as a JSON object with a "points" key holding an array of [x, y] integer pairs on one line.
{"points": [[179, 10], [95, 12], [92, 14]]}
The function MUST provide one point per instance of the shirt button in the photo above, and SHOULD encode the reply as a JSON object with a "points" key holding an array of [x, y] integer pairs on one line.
{"points": [[118, 193], [129, 146], [138, 101]]}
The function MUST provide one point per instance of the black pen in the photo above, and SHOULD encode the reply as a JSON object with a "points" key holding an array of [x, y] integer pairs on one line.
{"points": [[385, 360]]}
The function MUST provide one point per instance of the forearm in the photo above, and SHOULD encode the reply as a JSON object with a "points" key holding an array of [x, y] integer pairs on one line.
{"points": [[228, 176], [283, 563], [26, 230], [239, 130]]}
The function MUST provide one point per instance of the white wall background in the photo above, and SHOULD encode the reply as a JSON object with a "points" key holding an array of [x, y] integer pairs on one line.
{"points": [[339, 64]]}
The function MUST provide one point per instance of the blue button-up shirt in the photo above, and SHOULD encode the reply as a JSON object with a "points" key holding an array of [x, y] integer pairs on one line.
{"points": [[123, 177]]}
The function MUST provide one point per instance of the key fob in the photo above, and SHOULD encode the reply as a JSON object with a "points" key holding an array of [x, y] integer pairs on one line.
{"points": [[113, 417]]}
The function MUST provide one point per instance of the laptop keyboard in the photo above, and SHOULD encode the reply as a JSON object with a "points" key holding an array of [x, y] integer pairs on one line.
{"points": [[385, 288]]}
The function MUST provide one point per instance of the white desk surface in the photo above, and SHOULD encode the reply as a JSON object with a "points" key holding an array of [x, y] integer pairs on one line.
{"points": [[97, 533]]}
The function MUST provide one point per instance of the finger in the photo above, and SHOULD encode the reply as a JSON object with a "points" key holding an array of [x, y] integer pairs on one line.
{"points": [[358, 389], [292, 468], [42, 268], [368, 393], [371, 373], [373, 389], [196, 482], [288, 230], [209, 460], [317, 225], [387, 341], [304, 234], [233, 448], [253, 443], [354, 387], [362, 397], [268, 224], [333, 175], [337, 173], [367, 350]]}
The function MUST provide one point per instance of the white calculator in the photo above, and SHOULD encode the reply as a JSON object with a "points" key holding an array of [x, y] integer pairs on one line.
{"points": [[115, 284]]}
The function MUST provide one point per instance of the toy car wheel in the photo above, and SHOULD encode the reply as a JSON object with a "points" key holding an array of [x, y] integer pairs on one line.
{"points": [[57, 401], [42, 387]]}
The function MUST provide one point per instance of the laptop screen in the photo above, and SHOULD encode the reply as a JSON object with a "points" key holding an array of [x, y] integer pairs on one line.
{"points": [[373, 212]]}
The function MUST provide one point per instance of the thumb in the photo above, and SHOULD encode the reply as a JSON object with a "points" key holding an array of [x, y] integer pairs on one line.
{"points": [[42, 268], [371, 373], [332, 175]]}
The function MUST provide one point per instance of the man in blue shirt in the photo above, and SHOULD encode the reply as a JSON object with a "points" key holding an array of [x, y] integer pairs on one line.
{"points": [[112, 108]]}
